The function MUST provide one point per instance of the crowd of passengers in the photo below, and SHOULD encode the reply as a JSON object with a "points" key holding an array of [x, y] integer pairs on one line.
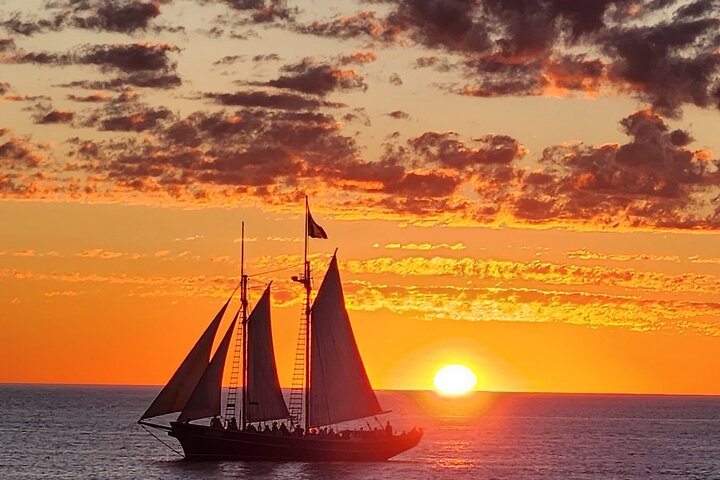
{"points": [[298, 431]]}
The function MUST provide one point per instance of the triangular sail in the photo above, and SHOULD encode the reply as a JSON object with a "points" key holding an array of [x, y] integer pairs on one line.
{"points": [[174, 396], [205, 399], [339, 386], [264, 398]]}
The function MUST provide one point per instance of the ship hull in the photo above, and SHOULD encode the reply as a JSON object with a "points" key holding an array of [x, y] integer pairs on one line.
{"points": [[205, 443]]}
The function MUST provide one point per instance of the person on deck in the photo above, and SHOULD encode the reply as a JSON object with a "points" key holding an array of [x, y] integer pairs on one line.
{"points": [[283, 429], [275, 428], [388, 429], [232, 424], [215, 422]]}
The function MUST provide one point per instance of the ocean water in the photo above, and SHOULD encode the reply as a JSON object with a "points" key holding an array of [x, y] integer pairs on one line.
{"points": [[65, 432]]}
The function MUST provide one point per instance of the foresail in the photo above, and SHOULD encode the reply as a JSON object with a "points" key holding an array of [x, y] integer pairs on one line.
{"points": [[174, 396], [205, 399], [339, 386], [264, 398]]}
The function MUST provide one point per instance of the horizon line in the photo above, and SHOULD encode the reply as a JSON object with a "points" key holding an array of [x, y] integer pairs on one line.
{"points": [[430, 390]]}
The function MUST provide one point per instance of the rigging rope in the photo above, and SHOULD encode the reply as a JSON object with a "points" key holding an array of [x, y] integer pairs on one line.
{"points": [[276, 270], [161, 441]]}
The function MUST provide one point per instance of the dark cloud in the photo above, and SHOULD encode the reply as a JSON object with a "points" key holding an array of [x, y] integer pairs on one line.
{"points": [[576, 73], [435, 62], [56, 116], [448, 150], [653, 180], [114, 16], [128, 117], [398, 115], [315, 78], [351, 27], [286, 101], [130, 58], [666, 56], [497, 77], [24, 26], [6, 44], [18, 153], [229, 59], [669, 64], [267, 57], [95, 97], [425, 185], [140, 79], [395, 79], [124, 16], [259, 11], [358, 58], [23, 97], [450, 24], [145, 65]]}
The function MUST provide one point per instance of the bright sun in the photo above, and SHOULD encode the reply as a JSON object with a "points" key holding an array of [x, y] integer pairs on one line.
{"points": [[454, 380]]}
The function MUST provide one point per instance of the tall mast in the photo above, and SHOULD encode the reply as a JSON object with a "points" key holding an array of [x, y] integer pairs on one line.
{"points": [[308, 288], [244, 303]]}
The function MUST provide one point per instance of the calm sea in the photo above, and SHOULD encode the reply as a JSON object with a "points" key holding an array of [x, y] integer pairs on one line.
{"points": [[62, 432]]}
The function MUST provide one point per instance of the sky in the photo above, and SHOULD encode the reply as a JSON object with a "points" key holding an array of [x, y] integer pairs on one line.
{"points": [[530, 188]]}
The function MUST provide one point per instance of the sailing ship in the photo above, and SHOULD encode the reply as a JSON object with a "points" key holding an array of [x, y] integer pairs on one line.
{"points": [[333, 388]]}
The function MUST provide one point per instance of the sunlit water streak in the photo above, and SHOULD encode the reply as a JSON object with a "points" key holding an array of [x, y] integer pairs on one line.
{"points": [[90, 432]]}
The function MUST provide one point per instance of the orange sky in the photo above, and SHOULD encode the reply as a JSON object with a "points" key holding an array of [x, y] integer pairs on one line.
{"points": [[530, 316], [528, 188]]}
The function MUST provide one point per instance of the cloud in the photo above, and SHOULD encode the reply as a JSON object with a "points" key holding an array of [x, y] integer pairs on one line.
{"points": [[351, 27], [448, 150], [131, 118], [398, 115], [139, 64], [666, 56], [653, 180], [263, 11], [314, 78], [94, 97], [358, 58], [113, 16], [425, 246], [56, 116], [100, 253], [584, 254], [6, 44], [285, 101], [123, 16], [18, 152]]}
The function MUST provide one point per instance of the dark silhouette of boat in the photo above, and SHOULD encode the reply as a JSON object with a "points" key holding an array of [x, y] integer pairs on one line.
{"points": [[330, 386]]}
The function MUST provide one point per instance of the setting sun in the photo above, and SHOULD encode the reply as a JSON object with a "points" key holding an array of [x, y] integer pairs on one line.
{"points": [[454, 380]]}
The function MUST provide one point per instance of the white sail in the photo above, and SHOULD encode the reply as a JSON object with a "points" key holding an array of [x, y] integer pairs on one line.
{"points": [[174, 396], [205, 399], [339, 386], [264, 398]]}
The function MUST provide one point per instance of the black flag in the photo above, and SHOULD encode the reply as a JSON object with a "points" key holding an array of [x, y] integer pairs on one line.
{"points": [[314, 230]]}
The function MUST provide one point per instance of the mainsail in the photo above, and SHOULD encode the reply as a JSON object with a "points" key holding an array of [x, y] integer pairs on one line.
{"points": [[264, 398], [205, 399], [339, 386], [174, 396]]}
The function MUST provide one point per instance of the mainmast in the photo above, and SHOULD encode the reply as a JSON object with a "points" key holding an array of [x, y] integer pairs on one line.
{"points": [[244, 303], [300, 392], [308, 288], [239, 354]]}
